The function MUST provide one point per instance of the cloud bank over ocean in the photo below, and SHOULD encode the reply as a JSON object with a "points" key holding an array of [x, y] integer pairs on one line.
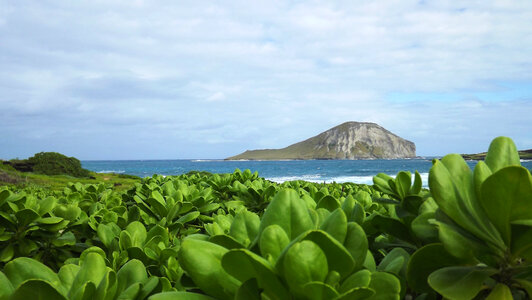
{"points": [[188, 79]]}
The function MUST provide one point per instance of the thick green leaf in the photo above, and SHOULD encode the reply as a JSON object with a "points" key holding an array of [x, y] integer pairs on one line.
{"points": [[132, 272], [68, 212], [159, 198], [189, 217], [304, 262], [131, 292], [6, 288], [125, 240], [92, 269], [506, 197], [423, 228], [411, 204], [87, 292], [66, 239], [319, 215], [460, 283], [338, 258], [311, 204], [336, 225], [385, 285], [526, 285], [272, 241], [416, 187], [393, 227], [348, 205], [107, 286], [403, 180], [425, 261], [357, 294], [226, 241], [361, 278], [22, 269], [381, 182], [395, 262], [245, 265], [36, 289], [7, 253], [249, 290], [245, 227], [358, 214], [451, 184], [319, 291], [180, 296], [158, 233], [5, 195], [202, 262], [522, 242], [363, 198], [356, 243], [288, 211], [329, 203], [26, 216], [46, 205], [137, 233], [457, 241], [480, 174], [27, 246], [133, 214], [500, 292], [502, 153], [209, 208], [67, 274], [49, 221], [106, 234], [152, 285]]}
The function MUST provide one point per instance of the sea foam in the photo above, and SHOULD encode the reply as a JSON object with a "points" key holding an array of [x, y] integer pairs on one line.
{"points": [[339, 179]]}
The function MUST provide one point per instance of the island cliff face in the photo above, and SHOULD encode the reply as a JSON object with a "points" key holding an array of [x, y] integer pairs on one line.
{"points": [[350, 140]]}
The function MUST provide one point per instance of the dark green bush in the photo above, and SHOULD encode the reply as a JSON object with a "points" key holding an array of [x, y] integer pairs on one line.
{"points": [[199, 173], [128, 176], [53, 163]]}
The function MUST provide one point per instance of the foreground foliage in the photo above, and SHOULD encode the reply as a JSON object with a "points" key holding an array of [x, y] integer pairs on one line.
{"points": [[238, 236]]}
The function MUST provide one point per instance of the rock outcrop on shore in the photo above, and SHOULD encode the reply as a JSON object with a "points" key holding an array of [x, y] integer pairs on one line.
{"points": [[350, 140]]}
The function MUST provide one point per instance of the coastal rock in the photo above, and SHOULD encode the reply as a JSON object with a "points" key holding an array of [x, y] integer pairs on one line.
{"points": [[350, 140]]}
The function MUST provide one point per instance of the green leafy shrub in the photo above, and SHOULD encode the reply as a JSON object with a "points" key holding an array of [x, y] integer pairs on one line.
{"points": [[53, 163], [484, 224], [205, 236]]}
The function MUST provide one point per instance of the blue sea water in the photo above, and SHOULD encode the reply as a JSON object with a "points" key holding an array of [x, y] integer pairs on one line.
{"points": [[357, 171]]}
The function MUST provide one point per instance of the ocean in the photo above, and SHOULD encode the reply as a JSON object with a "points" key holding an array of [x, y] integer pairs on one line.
{"points": [[357, 171]]}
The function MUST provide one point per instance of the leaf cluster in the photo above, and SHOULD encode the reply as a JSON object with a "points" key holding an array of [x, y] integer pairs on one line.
{"points": [[239, 236]]}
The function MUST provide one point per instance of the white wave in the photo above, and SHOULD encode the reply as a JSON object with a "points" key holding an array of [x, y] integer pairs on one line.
{"points": [[526, 160], [205, 160], [112, 171], [366, 179], [310, 178]]}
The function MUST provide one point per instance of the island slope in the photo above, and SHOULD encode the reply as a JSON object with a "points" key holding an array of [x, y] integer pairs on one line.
{"points": [[350, 140]]}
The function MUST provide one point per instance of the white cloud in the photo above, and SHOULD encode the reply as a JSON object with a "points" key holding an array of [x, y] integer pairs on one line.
{"points": [[216, 96], [261, 74]]}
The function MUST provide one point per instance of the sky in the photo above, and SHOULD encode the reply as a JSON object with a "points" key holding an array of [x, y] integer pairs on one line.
{"points": [[157, 79]]}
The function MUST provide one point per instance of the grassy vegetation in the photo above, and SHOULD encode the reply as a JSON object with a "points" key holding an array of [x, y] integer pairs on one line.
{"points": [[12, 177]]}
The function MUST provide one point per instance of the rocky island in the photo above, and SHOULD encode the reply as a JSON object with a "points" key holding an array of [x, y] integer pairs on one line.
{"points": [[350, 140]]}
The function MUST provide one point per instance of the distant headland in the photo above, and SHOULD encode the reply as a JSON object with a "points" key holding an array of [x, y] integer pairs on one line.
{"points": [[350, 140], [523, 154]]}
